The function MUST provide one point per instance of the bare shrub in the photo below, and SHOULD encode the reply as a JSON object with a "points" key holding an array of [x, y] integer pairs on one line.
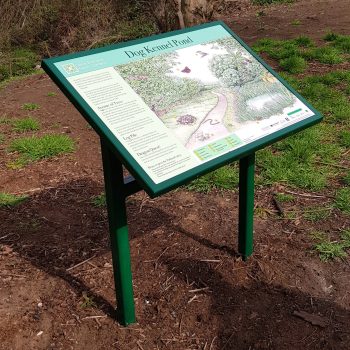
{"points": [[61, 26]]}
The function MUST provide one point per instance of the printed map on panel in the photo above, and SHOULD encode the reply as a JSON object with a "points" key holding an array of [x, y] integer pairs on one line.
{"points": [[208, 91]]}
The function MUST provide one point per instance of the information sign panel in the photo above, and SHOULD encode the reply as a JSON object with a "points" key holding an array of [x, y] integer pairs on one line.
{"points": [[178, 105]]}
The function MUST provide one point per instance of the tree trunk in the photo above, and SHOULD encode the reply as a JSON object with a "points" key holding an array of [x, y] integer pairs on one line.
{"points": [[175, 14], [197, 11]]}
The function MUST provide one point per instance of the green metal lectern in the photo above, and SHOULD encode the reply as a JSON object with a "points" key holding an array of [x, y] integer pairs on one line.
{"points": [[171, 108]]}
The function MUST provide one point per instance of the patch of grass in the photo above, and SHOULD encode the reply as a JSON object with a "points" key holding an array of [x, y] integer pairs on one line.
{"points": [[317, 213], [344, 138], [30, 106], [327, 54], [87, 302], [330, 36], [332, 103], [294, 160], [294, 54], [99, 201], [277, 49], [346, 178], [261, 212], [283, 168], [26, 124], [47, 146], [2, 138], [18, 163], [4, 120], [330, 250], [342, 200], [332, 78], [293, 64], [341, 42], [345, 236], [303, 41], [10, 200], [318, 236], [291, 215], [4, 83], [296, 22], [17, 62], [284, 197], [51, 94], [291, 54], [225, 178]]}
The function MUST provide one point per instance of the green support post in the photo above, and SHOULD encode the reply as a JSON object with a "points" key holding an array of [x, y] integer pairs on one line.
{"points": [[118, 229], [246, 205]]}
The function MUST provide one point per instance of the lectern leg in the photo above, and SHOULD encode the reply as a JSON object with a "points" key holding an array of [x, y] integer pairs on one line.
{"points": [[246, 205], [118, 228]]}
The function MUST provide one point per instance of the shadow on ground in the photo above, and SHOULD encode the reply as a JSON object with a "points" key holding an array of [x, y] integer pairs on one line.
{"points": [[58, 228], [260, 316]]}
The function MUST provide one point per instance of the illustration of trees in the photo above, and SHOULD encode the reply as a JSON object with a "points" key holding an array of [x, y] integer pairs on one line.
{"points": [[150, 79], [241, 72], [235, 70]]}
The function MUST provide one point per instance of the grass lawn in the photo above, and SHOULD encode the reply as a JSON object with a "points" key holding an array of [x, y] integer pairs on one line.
{"points": [[39, 147]]}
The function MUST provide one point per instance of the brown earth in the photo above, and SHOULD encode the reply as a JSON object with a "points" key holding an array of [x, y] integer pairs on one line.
{"points": [[192, 291], [314, 18]]}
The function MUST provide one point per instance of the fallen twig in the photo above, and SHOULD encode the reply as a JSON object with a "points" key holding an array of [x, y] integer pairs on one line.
{"points": [[180, 324], [92, 317], [139, 345], [11, 275], [162, 253], [307, 195], [192, 299], [79, 264], [35, 190], [198, 290], [9, 234], [212, 342]]}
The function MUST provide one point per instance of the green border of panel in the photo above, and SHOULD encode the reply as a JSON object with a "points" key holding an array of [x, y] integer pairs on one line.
{"points": [[121, 152]]}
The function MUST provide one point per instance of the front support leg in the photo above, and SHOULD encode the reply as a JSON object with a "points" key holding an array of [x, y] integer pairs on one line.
{"points": [[118, 229], [246, 205]]}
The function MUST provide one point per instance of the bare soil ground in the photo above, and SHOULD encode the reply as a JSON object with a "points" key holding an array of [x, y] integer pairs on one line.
{"points": [[192, 291]]}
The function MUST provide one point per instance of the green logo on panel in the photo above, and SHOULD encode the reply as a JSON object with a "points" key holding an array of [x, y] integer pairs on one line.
{"points": [[70, 68]]}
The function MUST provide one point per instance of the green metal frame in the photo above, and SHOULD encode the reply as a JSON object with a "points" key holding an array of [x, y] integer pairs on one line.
{"points": [[114, 156]]}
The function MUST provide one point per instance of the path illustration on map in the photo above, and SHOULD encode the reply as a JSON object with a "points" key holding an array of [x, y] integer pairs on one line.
{"points": [[208, 91]]}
